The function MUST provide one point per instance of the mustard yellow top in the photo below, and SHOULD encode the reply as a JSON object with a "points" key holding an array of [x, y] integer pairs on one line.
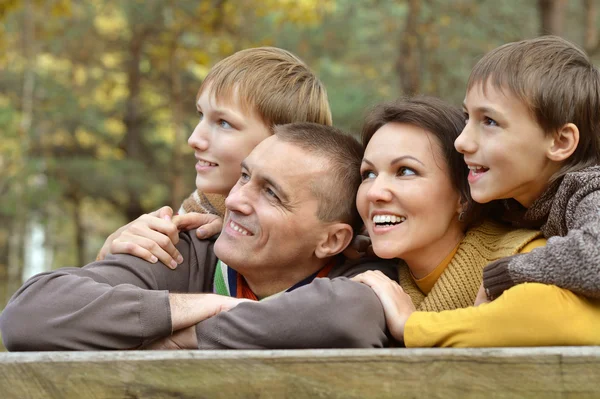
{"points": [[525, 315]]}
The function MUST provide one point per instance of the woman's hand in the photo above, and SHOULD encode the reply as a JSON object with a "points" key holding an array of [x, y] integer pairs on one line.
{"points": [[481, 296], [397, 305]]}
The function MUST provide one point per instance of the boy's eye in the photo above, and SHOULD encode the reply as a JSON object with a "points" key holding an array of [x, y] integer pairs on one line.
{"points": [[200, 114], [368, 174], [489, 121], [404, 171], [224, 124]]}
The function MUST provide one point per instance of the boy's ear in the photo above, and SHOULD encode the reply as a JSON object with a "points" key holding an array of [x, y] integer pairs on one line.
{"points": [[564, 143], [335, 240]]}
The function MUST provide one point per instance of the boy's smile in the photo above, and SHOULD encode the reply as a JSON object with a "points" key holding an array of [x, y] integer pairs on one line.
{"points": [[505, 148]]}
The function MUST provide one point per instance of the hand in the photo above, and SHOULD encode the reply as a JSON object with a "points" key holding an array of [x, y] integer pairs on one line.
{"points": [[481, 296], [185, 338], [360, 246], [151, 237], [397, 305], [207, 225], [189, 309]]}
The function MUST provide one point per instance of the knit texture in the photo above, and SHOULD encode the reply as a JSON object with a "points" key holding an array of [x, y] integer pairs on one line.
{"points": [[568, 214], [204, 203], [458, 285]]}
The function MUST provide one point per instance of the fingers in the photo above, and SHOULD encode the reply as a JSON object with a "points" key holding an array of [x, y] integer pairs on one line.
{"points": [[165, 213], [207, 224], [150, 238], [481, 296]]}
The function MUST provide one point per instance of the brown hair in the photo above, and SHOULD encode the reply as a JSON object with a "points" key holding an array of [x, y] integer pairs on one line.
{"points": [[274, 83], [335, 190], [442, 121], [556, 80]]}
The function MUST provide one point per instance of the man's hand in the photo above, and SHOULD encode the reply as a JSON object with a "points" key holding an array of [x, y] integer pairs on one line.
{"points": [[207, 225], [190, 309], [151, 237], [481, 296], [185, 338], [397, 305]]}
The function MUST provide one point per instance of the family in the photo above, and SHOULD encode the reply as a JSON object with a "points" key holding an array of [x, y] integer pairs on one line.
{"points": [[445, 227]]}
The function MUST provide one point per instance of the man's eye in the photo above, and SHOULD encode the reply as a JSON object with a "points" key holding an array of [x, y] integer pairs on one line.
{"points": [[271, 194], [244, 177], [489, 122]]}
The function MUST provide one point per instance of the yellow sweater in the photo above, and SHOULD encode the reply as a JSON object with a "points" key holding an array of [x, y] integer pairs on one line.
{"points": [[525, 315], [461, 275]]}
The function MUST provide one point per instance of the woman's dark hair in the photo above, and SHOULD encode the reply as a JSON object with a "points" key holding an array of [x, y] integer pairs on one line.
{"points": [[442, 121]]}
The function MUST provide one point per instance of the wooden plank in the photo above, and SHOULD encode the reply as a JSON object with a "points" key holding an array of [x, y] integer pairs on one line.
{"points": [[558, 372]]}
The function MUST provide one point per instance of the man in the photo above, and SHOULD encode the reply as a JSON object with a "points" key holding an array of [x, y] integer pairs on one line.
{"points": [[289, 216]]}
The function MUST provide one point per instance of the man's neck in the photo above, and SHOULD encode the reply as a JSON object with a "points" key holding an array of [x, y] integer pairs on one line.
{"points": [[267, 282]]}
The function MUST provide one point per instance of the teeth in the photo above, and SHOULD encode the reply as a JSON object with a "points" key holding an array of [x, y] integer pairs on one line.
{"points": [[238, 228], [388, 219], [477, 169], [206, 163]]}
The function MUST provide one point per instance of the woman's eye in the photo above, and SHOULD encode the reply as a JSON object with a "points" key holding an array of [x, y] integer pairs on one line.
{"points": [[368, 174], [224, 124], [489, 122], [404, 171]]}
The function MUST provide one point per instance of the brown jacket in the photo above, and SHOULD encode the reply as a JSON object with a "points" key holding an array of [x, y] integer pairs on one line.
{"points": [[122, 303]]}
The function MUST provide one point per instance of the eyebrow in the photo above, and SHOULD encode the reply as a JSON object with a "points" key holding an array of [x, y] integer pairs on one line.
{"points": [[396, 160], [482, 110], [221, 113], [280, 191]]}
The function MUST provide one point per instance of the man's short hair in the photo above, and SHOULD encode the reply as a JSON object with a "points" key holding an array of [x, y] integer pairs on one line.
{"points": [[559, 84], [274, 83], [336, 190]]}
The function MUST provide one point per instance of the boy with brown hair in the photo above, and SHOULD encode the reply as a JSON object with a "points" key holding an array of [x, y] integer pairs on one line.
{"points": [[239, 102], [532, 140]]}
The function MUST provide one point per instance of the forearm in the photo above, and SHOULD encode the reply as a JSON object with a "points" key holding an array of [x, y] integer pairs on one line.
{"points": [[189, 309], [554, 316], [69, 310], [335, 313]]}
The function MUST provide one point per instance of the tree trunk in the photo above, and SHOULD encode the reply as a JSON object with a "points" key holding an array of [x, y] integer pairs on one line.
{"points": [[133, 120], [409, 60], [552, 16], [590, 9], [178, 189]]}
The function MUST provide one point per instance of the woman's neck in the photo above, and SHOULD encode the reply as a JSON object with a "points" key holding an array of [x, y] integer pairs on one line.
{"points": [[424, 260]]}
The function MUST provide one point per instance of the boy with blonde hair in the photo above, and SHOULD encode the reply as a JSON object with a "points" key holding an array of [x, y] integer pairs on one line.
{"points": [[239, 102]]}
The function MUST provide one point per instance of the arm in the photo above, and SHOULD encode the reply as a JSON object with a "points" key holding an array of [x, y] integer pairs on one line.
{"points": [[571, 262], [525, 315], [119, 303], [328, 313]]}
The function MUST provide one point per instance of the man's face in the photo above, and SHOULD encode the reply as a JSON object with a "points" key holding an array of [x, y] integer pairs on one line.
{"points": [[224, 136], [271, 227]]}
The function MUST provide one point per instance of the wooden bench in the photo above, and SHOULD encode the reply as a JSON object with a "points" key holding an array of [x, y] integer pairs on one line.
{"points": [[559, 372]]}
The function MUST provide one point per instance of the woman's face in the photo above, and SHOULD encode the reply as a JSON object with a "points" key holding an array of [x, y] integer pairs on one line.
{"points": [[406, 198]]}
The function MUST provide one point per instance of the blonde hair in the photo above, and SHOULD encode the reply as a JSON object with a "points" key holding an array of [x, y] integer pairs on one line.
{"points": [[274, 83], [558, 83]]}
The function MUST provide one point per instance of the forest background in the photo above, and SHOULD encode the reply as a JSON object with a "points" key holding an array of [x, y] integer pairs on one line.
{"points": [[97, 96]]}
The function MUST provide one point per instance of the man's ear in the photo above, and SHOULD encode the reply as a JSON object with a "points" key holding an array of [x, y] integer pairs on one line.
{"points": [[564, 143], [335, 240]]}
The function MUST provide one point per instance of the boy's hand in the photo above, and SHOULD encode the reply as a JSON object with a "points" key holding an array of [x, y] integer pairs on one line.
{"points": [[360, 246], [207, 225], [397, 305], [151, 237], [481, 296]]}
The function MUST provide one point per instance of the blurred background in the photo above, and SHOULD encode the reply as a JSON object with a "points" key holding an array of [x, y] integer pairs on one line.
{"points": [[97, 96]]}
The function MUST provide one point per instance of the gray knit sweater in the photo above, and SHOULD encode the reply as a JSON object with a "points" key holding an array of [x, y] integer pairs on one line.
{"points": [[568, 214]]}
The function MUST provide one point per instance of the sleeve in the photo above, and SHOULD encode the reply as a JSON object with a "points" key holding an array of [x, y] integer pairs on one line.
{"points": [[118, 303], [571, 262], [526, 315], [327, 313]]}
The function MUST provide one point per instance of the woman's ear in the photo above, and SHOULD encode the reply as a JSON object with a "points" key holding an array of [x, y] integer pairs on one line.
{"points": [[336, 239], [564, 143]]}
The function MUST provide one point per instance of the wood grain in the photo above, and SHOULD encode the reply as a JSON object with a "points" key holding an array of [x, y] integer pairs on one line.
{"points": [[561, 372]]}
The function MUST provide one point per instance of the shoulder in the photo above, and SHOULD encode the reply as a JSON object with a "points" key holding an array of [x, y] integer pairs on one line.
{"points": [[350, 268]]}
